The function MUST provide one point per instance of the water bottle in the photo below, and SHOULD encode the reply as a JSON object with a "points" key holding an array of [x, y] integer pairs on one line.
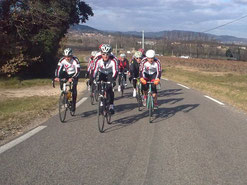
{"points": [[69, 96]]}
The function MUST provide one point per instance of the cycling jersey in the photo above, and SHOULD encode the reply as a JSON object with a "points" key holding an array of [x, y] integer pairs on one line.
{"points": [[106, 68], [150, 68], [123, 64], [72, 67], [134, 68]]}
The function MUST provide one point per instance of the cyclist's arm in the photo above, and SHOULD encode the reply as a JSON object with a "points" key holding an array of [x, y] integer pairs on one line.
{"points": [[77, 68], [158, 69], [95, 68], [59, 68], [114, 69]]}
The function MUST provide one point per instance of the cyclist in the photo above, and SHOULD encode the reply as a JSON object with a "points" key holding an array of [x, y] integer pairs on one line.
{"points": [[150, 71], [69, 67], [123, 65], [90, 69], [134, 69], [143, 52], [107, 67]]}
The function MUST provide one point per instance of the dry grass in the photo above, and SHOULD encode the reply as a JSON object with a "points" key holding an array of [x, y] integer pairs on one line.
{"points": [[225, 86]]}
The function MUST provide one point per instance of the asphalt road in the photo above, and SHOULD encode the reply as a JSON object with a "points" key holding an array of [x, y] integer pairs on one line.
{"points": [[192, 140]]}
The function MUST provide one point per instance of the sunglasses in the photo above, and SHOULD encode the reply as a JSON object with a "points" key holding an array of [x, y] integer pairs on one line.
{"points": [[138, 58], [106, 54]]}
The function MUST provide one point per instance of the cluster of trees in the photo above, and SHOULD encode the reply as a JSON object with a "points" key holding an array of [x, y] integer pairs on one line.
{"points": [[31, 30]]}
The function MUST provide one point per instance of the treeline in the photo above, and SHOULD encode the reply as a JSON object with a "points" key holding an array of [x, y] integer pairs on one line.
{"points": [[30, 33]]}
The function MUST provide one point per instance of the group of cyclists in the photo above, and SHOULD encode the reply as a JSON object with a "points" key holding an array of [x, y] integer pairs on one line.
{"points": [[104, 66]]}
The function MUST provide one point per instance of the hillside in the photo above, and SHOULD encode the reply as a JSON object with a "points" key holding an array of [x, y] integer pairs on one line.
{"points": [[170, 35]]}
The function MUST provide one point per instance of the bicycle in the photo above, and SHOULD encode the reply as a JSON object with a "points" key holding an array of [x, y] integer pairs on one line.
{"points": [[150, 101], [65, 99], [103, 106], [122, 85], [94, 92], [138, 94]]}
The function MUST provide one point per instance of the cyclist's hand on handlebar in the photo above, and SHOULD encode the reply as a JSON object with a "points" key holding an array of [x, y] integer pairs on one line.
{"points": [[57, 79], [143, 81], [70, 80], [156, 81]]}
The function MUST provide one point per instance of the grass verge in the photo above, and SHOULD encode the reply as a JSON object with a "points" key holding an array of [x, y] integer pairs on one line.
{"points": [[13, 83], [17, 113], [227, 87]]}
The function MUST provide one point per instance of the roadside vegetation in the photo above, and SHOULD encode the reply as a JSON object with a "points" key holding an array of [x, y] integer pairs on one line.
{"points": [[224, 80], [25, 103]]}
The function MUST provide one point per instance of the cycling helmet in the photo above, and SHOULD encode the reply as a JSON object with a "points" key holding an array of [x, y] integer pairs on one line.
{"points": [[105, 48], [122, 55], [93, 53], [67, 52], [138, 54], [150, 53]]}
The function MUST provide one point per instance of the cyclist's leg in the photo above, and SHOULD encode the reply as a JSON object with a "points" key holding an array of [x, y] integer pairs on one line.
{"points": [[154, 89], [110, 93], [74, 94], [125, 79], [134, 86]]}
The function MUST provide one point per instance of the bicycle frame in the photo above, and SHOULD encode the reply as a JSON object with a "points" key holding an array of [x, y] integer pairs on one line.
{"points": [[150, 96]]}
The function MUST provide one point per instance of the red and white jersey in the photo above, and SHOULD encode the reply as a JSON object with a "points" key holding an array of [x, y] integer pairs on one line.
{"points": [[150, 68], [111, 66], [72, 67], [90, 64]]}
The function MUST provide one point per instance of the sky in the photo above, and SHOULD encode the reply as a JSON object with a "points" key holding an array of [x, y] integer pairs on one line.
{"points": [[165, 15]]}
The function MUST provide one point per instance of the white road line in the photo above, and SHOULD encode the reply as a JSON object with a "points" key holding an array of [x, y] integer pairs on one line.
{"points": [[81, 101], [20, 139], [165, 79], [184, 86], [214, 100]]}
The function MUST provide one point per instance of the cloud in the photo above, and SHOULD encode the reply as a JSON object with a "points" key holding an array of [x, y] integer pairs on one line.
{"points": [[159, 15]]}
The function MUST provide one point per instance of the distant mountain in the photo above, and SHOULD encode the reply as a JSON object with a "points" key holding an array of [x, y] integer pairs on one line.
{"points": [[83, 28], [171, 35]]}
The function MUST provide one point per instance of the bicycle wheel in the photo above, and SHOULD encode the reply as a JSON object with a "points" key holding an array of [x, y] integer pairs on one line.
{"points": [[62, 106], [101, 117], [72, 113], [92, 98], [108, 116], [150, 108], [96, 95]]}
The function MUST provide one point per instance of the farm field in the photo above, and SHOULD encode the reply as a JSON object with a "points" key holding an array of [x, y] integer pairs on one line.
{"points": [[222, 79]]}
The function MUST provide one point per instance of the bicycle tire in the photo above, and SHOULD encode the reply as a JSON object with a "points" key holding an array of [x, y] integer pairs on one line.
{"points": [[101, 117], [62, 106], [108, 117], [92, 98], [72, 113], [150, 108], [96, 95]]}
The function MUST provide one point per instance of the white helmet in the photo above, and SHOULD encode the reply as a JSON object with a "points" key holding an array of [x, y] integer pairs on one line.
{"points": [[67, 52], [105, 48], [150, 53], [122, 55], [93, 53], [138, 54]]}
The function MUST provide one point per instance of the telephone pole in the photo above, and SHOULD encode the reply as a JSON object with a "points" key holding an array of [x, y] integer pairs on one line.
{"points": [[142, 39]]}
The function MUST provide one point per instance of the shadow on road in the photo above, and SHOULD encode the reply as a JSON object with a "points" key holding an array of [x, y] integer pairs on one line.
{"points": [[165, 113], [169, 92]]}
